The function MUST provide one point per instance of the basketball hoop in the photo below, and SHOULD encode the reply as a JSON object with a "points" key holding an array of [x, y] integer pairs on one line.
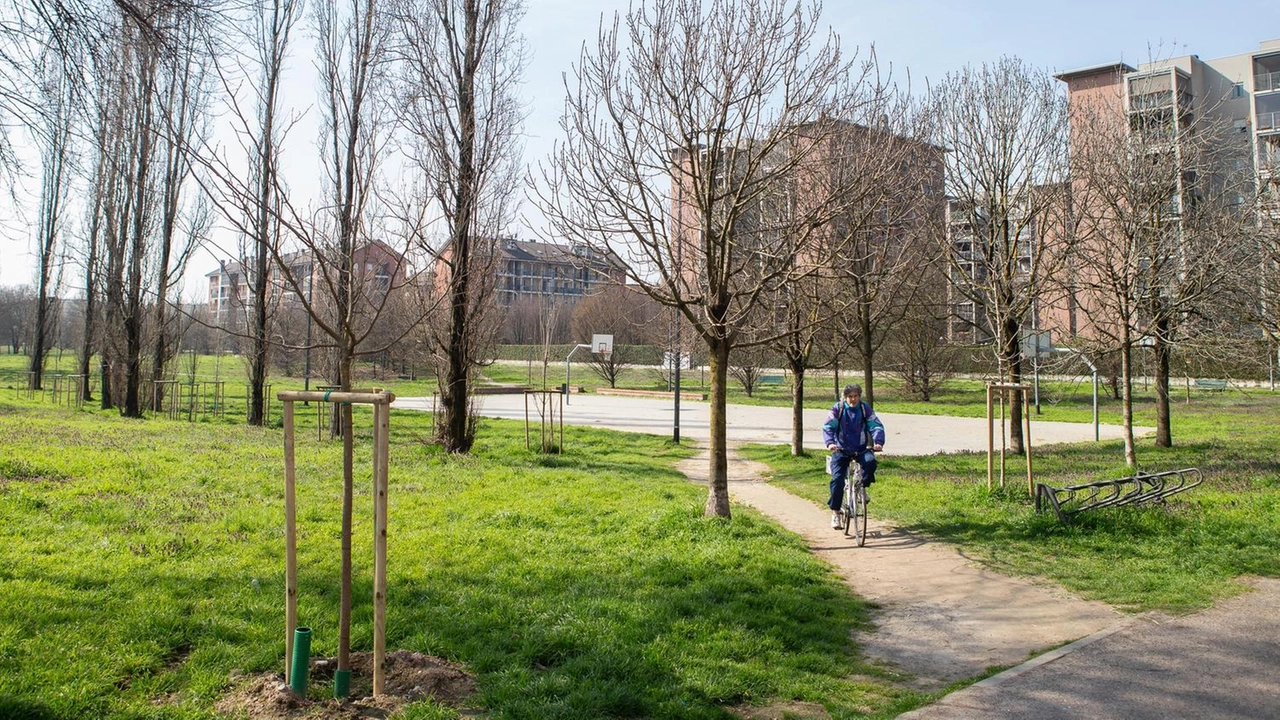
{"points": [[602, 345]]}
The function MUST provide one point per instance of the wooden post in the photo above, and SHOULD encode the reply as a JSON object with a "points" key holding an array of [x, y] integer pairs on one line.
{"points": [[991, 437], [992, 387], [1026, 444], [1002, 438], [290, 542], [381, 451], [381, 402]]}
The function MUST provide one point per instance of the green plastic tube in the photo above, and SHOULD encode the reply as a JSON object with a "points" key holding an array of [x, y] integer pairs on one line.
{"points": [[341, 683], [300, 663]]}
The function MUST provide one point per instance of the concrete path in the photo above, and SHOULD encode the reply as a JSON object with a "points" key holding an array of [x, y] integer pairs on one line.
{"points": [[940, 618], [1219, 664], [907, 434]]}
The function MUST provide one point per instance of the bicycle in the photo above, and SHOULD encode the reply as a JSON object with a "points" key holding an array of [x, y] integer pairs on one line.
{"points": [[853, 510]]}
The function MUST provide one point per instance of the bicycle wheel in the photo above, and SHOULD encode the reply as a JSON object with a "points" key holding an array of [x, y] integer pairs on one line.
{"points": [[851, 482], [856, 496], [860, 514]]}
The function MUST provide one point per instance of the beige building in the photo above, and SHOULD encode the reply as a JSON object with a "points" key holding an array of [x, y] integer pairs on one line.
{"points": [[1235, 100], [230, 286], [530, 269]]}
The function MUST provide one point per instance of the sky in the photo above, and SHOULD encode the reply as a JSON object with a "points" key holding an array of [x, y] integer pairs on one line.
{"points": [[926, 39]]}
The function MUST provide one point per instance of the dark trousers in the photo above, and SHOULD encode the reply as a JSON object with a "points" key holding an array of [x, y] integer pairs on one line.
{"points": [[840, 470]]}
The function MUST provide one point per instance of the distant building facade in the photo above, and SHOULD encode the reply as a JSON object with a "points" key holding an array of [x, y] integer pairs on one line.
{"points": [[230, 298], [527, 269], [1174, 99]]}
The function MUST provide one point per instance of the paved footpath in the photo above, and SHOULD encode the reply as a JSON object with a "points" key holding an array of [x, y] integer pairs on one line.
{"points": [[940, 618]]}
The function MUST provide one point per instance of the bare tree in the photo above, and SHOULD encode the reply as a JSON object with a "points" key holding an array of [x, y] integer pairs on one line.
{"points": [[919, 351], [524, 320], [689, 126], [463, 60], [345, 276], [15, 313], [747, 366], [55, 140], [893, 196], [624, 313], [130, 205], [251, 204], [100, 187], [1260, 289], [888, 258], [1004, 126], [1160, 230], [183, 220]]}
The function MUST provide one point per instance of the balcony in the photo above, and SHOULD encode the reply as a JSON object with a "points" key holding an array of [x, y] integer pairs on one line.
{"points": [[1269, 155], [1268, 121], [1266, 82]]}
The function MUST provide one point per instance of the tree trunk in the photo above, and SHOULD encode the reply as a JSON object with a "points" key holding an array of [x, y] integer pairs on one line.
{"points": [[262, 243], [1126, 385], [1164, 429], [348, 494], [104, 368], [1013, 364], [41, 335], [138, 241], [718, 478], [90, 308], [157, 360], [458, 437], [867, 348], [796, 366]]}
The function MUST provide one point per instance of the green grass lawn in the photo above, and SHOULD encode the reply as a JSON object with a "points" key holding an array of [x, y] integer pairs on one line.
{"points": [[1176, 558], [141, 570]]}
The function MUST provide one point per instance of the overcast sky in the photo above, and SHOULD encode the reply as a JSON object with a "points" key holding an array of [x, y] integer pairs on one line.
{"points": [[927, 37]]}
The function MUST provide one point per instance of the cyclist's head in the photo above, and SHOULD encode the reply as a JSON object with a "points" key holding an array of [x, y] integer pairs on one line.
{"points": [[852, 394]]}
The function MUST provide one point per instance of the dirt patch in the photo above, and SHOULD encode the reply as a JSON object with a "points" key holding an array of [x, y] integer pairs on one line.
{"points": [[783, 711], [409, 676]]}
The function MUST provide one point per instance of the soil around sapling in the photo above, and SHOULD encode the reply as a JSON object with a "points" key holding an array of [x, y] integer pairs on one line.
{"points": [[409, 677]]}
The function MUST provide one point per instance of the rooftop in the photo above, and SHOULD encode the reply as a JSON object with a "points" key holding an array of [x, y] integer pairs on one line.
{"points": [[1118, 68]]}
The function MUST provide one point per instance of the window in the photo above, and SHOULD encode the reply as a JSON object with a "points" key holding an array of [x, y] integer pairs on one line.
{"points": [[1237, 91]]}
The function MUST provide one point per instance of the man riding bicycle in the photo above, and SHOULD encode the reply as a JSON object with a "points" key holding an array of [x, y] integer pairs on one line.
{"points": [[852, 431]]}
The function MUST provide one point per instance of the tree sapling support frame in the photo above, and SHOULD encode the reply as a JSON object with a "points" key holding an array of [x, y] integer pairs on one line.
{"points": [[381, 402], [991, 431]]}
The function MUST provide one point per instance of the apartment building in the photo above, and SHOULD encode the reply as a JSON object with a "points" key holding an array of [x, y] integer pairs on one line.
{"points": [[230, 286], [528, 269], [1230, 103], [878, 195]]}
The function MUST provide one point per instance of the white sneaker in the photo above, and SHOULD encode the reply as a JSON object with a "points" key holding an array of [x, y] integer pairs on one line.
{"points": [[835, 521]]}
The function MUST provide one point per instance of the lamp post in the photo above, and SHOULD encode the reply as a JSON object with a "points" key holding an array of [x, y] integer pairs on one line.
{"points": [[1097, 433], [679, 357], [306, 366]]}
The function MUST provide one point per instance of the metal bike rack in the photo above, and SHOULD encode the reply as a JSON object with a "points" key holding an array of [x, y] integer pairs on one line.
{"points": [[1139, 489]]}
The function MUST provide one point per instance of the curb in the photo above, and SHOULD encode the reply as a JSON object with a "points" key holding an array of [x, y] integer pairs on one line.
{"points": [[1046, 658]]}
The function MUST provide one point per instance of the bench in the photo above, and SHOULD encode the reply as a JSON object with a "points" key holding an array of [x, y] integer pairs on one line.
{"points": [[1210, 384], [771, 380]]}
